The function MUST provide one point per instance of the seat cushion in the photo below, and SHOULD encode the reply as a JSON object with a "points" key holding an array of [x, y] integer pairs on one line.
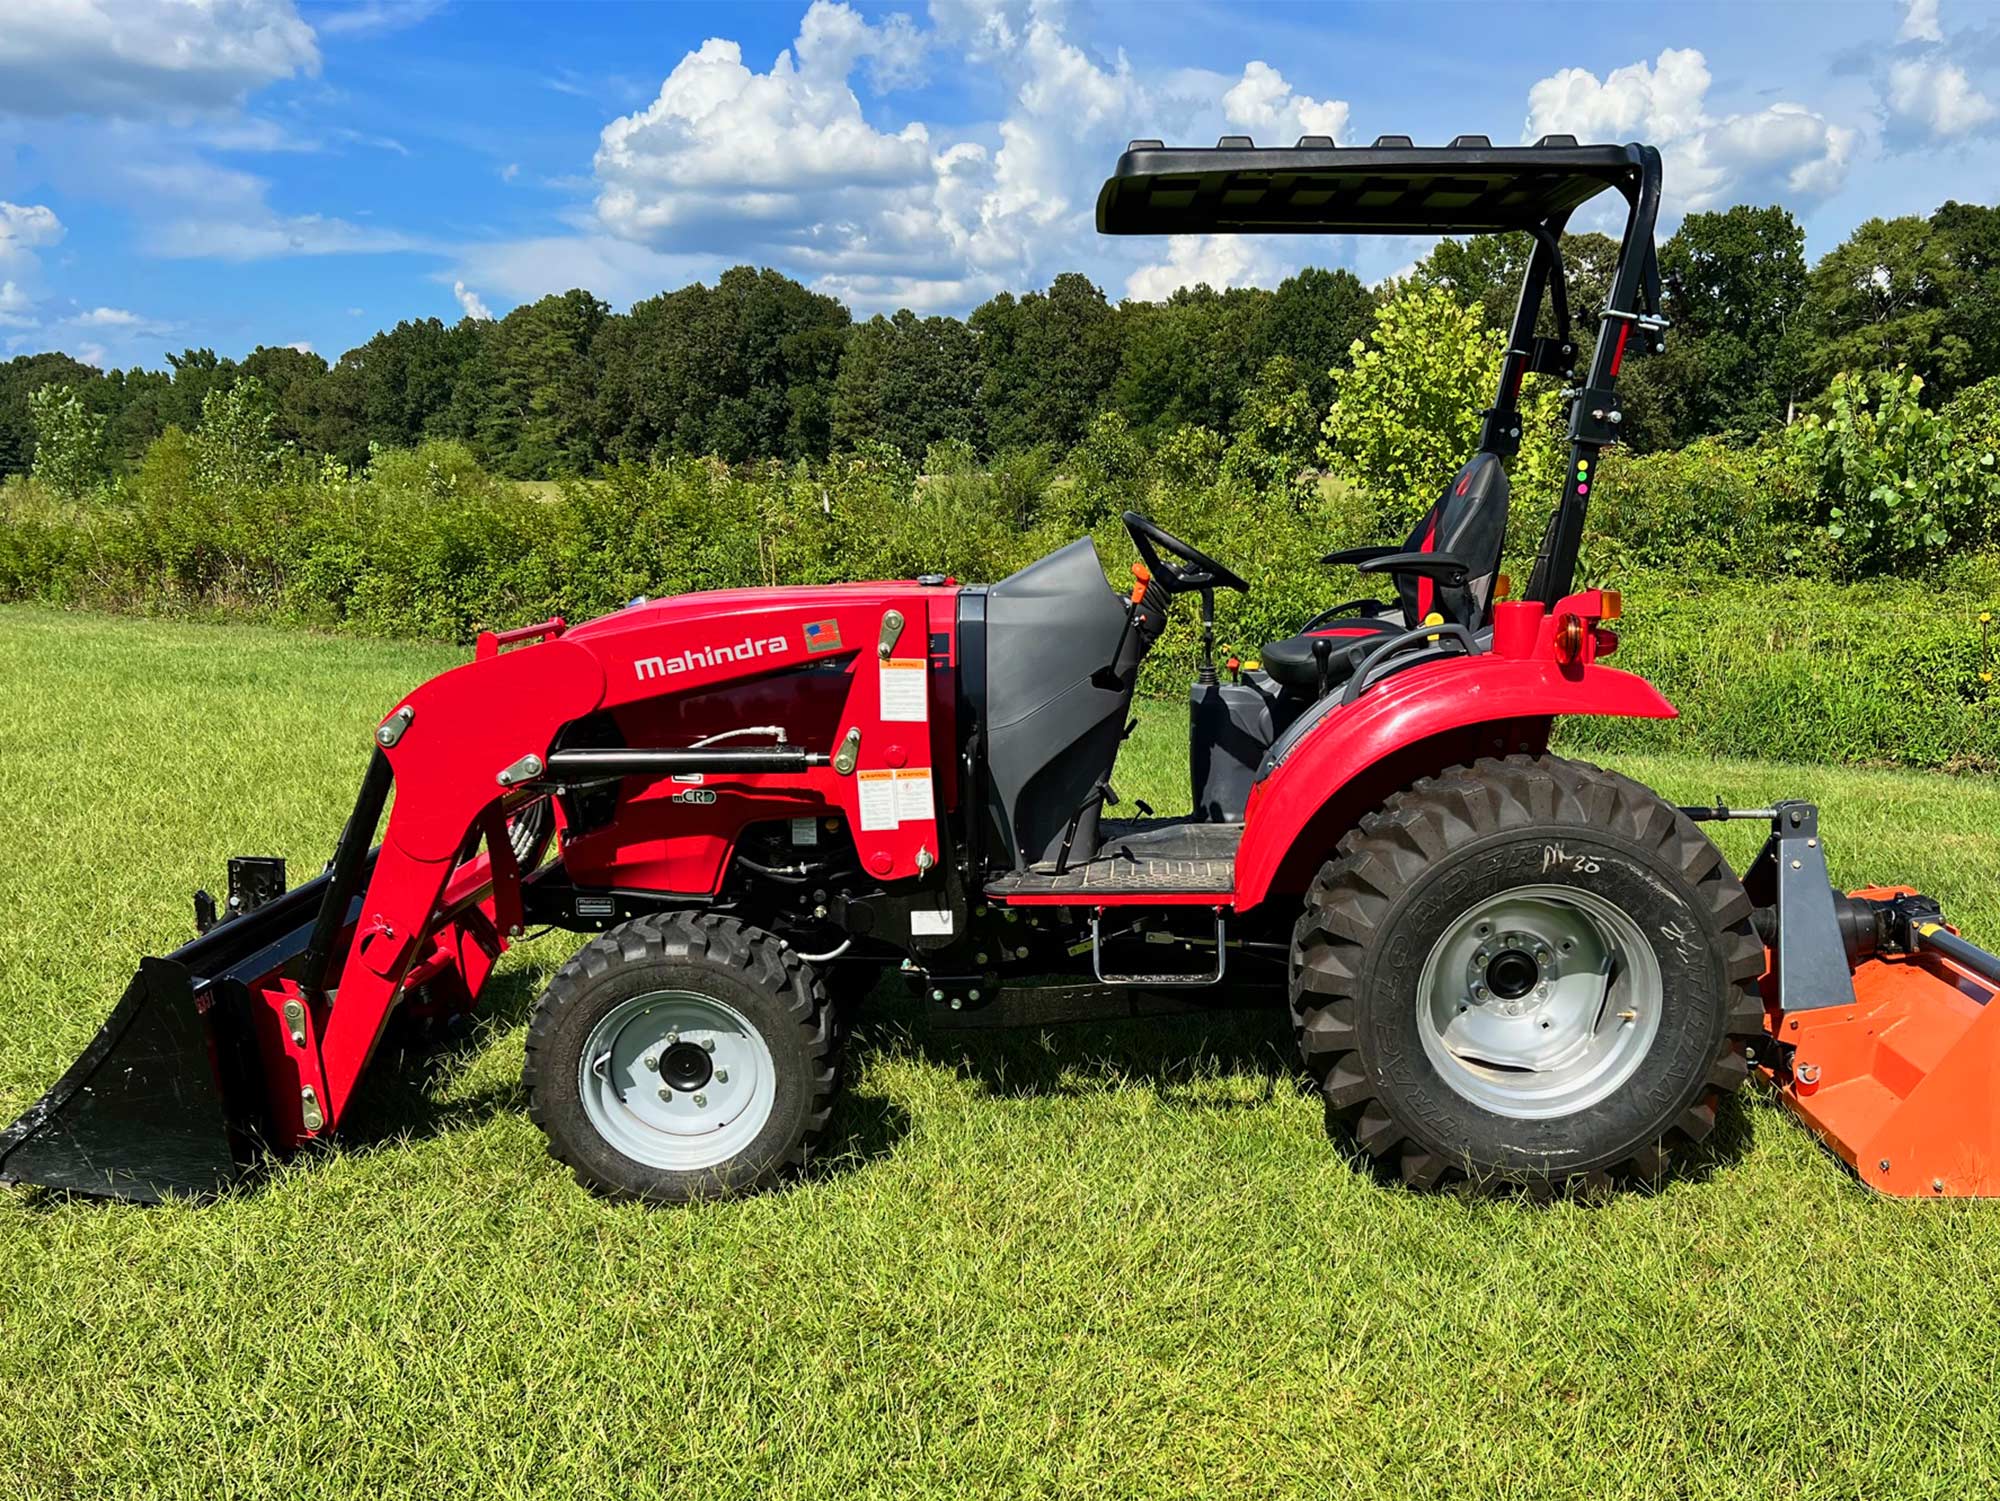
{"points": [[1291, 663]]}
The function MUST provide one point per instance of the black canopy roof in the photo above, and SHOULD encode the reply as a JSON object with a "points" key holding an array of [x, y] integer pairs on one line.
{"points": [[1391, 187]]}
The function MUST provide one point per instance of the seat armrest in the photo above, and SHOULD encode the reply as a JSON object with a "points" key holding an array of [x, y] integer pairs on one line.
{"points": [[1358, 555], [1446, 568]]}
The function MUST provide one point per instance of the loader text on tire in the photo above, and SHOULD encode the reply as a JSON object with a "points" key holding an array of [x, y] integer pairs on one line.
{"points": [[682, 1056], [1525, 973]]}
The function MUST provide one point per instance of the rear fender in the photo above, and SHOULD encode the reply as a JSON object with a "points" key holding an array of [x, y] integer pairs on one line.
{"points": [[1414, 724]]}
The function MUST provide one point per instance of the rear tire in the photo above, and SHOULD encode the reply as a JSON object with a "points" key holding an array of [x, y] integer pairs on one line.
{"points": [[682, 1056], [1529, 973]]}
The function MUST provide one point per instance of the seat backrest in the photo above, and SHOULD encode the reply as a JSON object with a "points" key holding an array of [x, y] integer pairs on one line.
{"points": [[1469, 521]]}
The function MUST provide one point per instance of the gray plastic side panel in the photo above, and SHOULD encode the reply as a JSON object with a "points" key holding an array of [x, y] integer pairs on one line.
{"points": [[1051, 731], [1230, 727]]}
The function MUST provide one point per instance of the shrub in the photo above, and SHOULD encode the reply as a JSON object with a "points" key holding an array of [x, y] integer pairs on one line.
{"points": [[1900, 488]]}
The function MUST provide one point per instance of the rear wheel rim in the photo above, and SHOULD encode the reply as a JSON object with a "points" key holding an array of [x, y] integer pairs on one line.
{"points": [[677, 1080], [1539, 1001]]}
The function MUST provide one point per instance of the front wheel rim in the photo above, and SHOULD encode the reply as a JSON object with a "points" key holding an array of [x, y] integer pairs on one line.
{"points": [[1539, 1002], [677, 1080]]}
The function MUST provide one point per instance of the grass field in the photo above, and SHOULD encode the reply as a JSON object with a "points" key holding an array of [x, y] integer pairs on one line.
{"points": [[1107, 1261]]}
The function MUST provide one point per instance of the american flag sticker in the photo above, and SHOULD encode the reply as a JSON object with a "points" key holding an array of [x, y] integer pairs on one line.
{"points": [[822, 635]]}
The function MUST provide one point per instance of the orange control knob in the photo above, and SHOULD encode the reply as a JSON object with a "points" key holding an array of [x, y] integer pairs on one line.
{"points": [[1141, 577]]}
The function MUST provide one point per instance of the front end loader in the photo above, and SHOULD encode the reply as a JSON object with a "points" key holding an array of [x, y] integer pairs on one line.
{"points": [[1503, 968]]}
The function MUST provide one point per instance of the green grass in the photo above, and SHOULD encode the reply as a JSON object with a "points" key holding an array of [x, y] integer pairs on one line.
{"points": [[1106, 1261]]}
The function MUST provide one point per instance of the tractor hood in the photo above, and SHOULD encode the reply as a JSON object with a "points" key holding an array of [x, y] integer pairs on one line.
{"points": [[746, 606]]}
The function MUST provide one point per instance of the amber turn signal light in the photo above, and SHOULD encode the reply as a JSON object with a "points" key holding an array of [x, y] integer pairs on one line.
{"points": [[1614, 604]]}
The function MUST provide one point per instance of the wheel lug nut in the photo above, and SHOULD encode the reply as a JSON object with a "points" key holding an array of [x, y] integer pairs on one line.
{"points": [[701, 1099], [652, 1063], [1479, 992], [672, 1038], [1541, 956], [665, 1093], [1480, 957], [722, 1076], [708, 1044]]}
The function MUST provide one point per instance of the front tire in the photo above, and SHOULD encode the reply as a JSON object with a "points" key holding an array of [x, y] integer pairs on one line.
{"points": [[1527, 973], [682, 1056]]}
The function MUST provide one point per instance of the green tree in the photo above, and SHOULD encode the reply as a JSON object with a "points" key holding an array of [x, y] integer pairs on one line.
{"points": [[1047, 362], [1187, 360], [1484, 271], [1407, 415], [1277, 428], [744, 369], [68, 441], [196, 372], [909, 382], [294, 381], [527, 399], [1734, 284], [395, 390], [1313, 320], [19, 379], [1883, 298], [234, 446]]}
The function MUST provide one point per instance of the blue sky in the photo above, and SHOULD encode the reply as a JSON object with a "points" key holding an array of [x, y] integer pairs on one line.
{"points": [[236, 172]]}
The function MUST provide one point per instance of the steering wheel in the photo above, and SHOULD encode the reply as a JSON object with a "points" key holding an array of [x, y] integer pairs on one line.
{"points": [[1201, 571]]}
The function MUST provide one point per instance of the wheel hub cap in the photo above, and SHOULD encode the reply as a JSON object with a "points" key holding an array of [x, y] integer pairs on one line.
{"points": [[1539, 1002], [677, 1080]]}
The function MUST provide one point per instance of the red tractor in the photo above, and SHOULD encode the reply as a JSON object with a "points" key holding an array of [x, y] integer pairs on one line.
{"points": [[1503, 967]]}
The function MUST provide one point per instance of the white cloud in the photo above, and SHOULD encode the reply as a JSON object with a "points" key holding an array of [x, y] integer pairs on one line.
{"points": [[17, 308], [26, 227], [90, 354], [1262, 102], [470, 302], [376, 17], [785, 165], [264, 235], [146, 58], [1920, 22], [1938, 96], [107, 317], [1218, 260], [511, 171], [301, 345], [1708, 158]]}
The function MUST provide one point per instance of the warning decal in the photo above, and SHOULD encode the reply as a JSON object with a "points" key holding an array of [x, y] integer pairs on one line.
{"points": [[876, 793], [913, 795], [904, 690]]}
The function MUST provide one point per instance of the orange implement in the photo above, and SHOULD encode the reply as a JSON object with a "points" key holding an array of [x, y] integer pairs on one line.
{"points": [[1900, 1084]]}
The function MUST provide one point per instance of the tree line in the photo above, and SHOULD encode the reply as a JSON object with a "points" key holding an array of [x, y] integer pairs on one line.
{"points": [[758, 366]]}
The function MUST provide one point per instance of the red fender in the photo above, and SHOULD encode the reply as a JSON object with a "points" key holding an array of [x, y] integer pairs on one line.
{"points": [[1410, 708]]}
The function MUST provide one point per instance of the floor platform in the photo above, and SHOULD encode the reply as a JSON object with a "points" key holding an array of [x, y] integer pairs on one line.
{"points": [[1138, 856]]}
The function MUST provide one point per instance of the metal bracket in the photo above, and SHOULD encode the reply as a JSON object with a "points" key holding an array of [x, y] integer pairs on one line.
{"points": [[310, 1115], [1809, 956], [524, 770], [848, 752], [892, 628], [392, 728], [295, 1022], [1595, 417]]}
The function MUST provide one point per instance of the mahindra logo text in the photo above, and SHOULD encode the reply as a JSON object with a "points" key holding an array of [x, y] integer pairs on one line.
{"points": [[709, 656]]}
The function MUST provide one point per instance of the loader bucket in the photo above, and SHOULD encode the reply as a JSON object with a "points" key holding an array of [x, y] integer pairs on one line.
{"points": [[142, 1113], [169, 1099]]}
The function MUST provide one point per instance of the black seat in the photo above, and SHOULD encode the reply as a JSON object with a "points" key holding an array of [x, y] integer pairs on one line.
{"points": [[1468, 522]]}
